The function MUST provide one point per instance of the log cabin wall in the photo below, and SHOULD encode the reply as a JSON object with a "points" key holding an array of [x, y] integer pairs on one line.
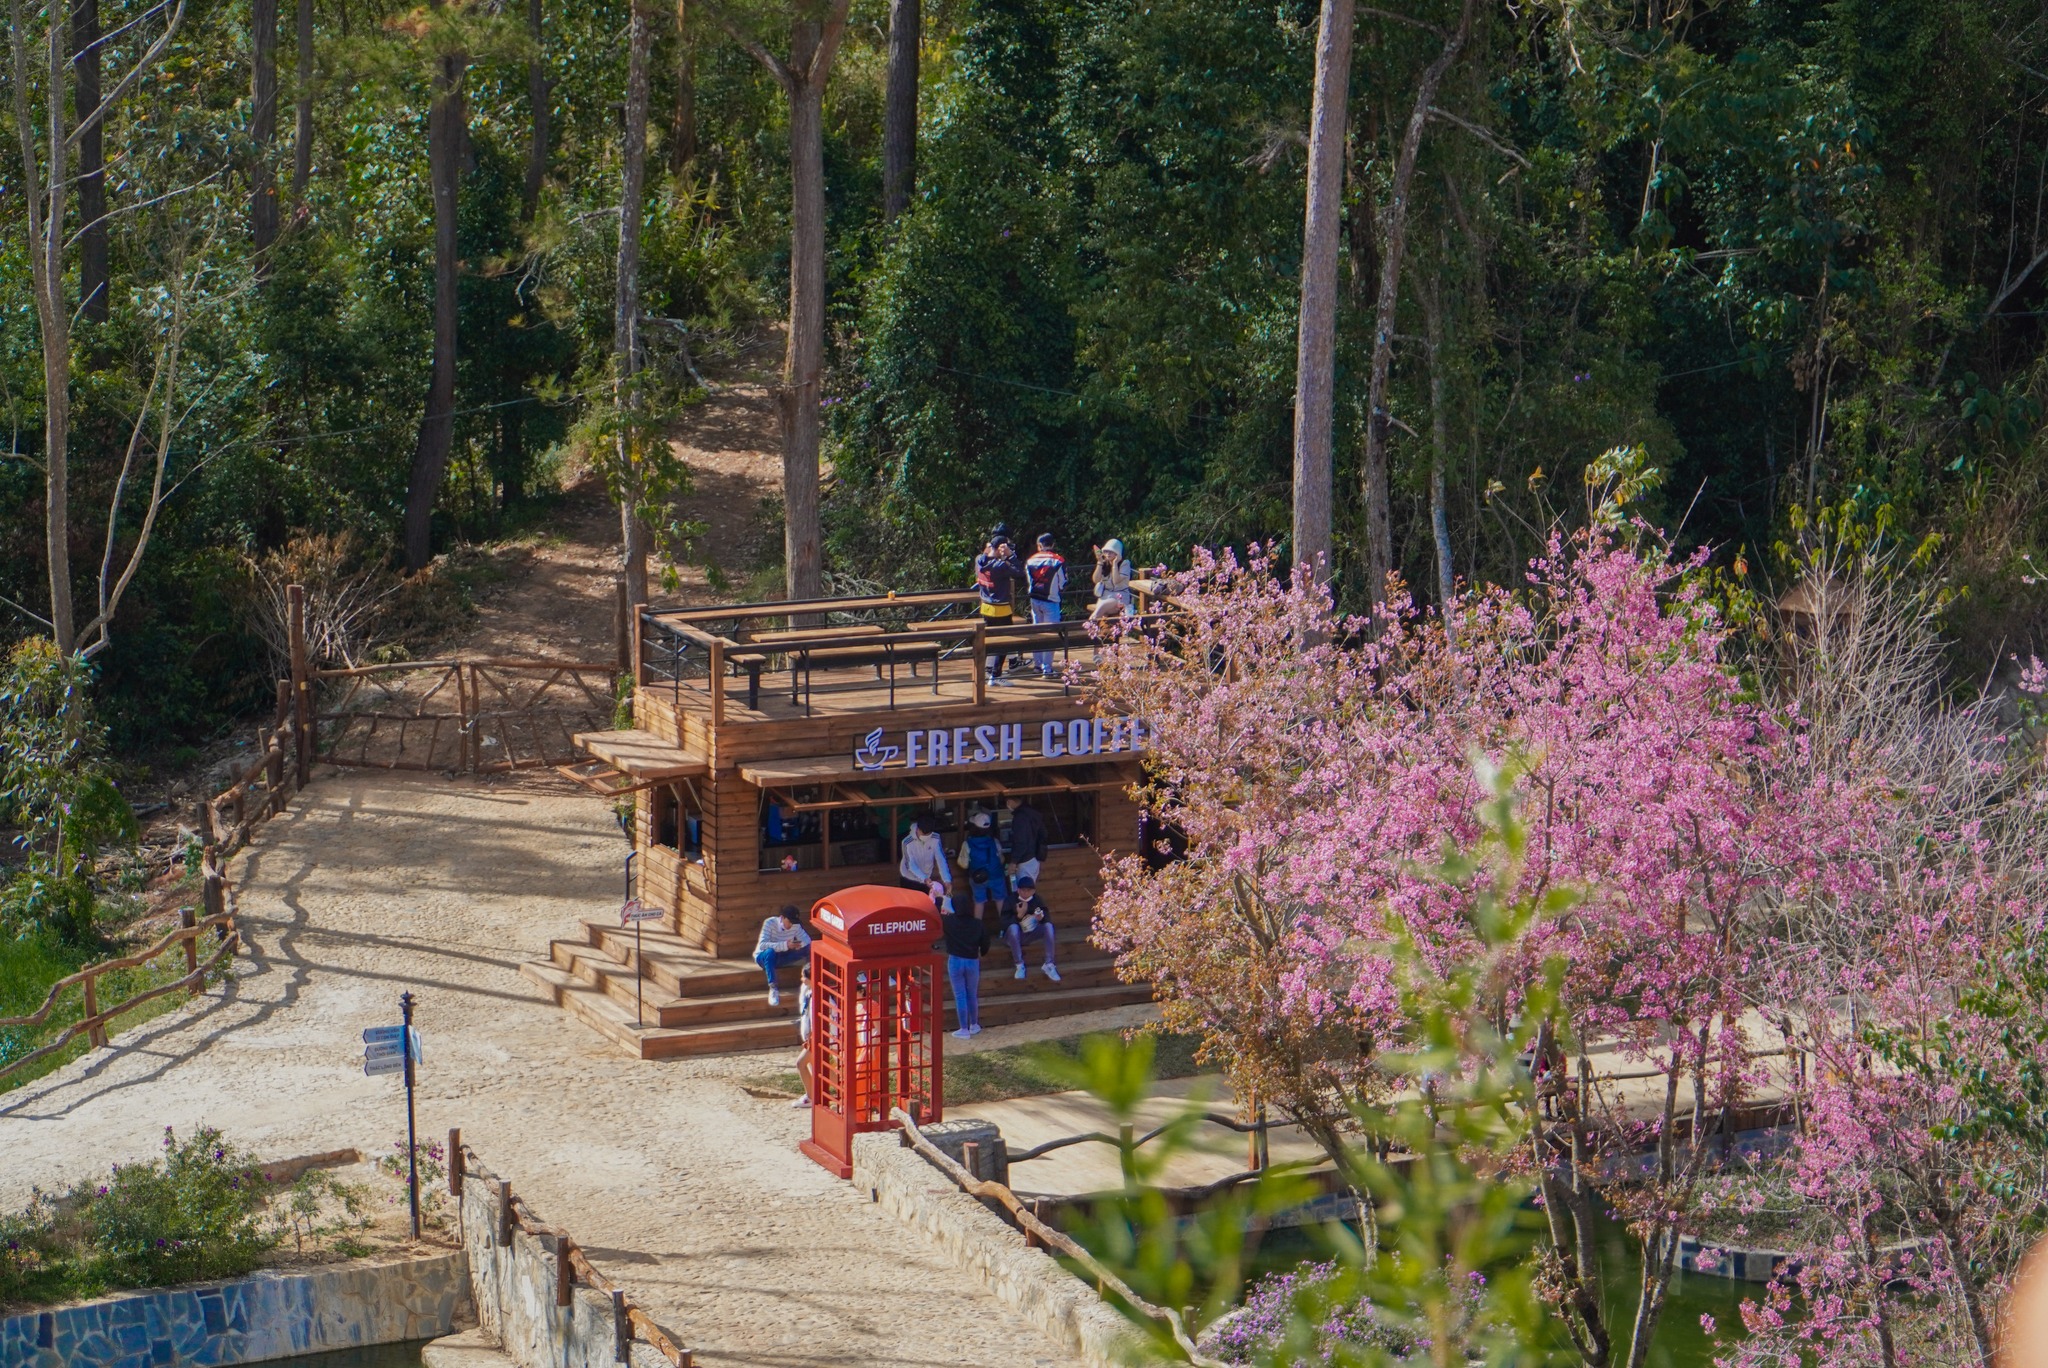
{"points": [[721, 902]]}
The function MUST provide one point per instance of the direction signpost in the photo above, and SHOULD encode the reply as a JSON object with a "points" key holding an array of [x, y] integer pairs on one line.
{"points": [[634, 913], [390, 1049]]}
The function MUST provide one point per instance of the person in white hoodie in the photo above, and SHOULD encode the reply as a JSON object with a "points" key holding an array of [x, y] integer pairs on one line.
{"points": [[1112, 579], [923, 859]]}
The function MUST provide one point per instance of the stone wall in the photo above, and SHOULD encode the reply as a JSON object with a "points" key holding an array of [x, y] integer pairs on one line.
{"points": [[514, 1282], [1028, 1281], [265, 1316]]}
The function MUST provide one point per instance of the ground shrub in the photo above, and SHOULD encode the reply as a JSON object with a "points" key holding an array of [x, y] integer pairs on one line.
{"points": [[196, 1213]]}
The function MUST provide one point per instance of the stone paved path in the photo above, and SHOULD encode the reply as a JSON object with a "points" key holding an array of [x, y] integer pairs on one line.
{"points": [[679, 1184]]}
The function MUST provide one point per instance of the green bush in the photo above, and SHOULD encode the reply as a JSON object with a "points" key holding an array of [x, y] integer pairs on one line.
{"points": [[197, 1213]]}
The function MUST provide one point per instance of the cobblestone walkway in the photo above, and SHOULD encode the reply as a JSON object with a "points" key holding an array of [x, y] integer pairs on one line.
{"points": [[679, 1184]]}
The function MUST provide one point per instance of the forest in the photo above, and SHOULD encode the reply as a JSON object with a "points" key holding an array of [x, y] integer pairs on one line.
{"points": [[350, 270]]}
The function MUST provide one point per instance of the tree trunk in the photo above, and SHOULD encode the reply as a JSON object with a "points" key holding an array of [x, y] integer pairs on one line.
{"points": [[682, 131], [1439, 445], [803, 361], [626, 313], [1315, 350], [93, 283], [537, 109], [899, 106], [302, 133], [1379, 531], [437, 431], [45, 222], [263, 124]]}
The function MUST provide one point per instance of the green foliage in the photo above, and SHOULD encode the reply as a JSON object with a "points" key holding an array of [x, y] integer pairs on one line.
{"points": [[55, 785], [195, 1213]]}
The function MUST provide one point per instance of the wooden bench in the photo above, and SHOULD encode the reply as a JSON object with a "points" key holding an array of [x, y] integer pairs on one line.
{"points": [[758, 650]]}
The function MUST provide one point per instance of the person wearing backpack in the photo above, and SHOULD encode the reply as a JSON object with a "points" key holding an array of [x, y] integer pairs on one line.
{"points": [[1046, 574]]}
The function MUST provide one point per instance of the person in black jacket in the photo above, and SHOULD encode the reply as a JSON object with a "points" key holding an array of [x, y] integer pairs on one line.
{"points": [[1028, 841], [1027, 918], [964, 937], [997, 573]]}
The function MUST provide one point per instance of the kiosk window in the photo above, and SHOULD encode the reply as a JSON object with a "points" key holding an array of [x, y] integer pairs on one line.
{"points": [[676, 822]]}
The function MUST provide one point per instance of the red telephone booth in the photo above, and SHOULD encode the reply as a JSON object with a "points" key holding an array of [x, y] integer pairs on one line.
{"points": [[876, 1017]]}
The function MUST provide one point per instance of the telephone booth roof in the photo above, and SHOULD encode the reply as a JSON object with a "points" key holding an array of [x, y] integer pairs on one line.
{"points": [[877, 920]]}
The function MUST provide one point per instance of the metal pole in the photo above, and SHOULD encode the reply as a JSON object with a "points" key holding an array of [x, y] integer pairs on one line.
{"points": [[639, 960], [412, 1144]]}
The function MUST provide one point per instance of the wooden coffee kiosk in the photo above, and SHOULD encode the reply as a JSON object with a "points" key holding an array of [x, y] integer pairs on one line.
{"points": [[779, 751]]}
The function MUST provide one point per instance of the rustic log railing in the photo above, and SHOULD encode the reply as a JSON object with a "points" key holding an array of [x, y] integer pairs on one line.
{"points": [[463, 1164], [474, 716]]}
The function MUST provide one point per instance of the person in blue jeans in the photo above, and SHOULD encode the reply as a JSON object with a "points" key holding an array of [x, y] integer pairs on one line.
{"points": [[964, 937], [1045, 575], [982, 856], [782, 942]]}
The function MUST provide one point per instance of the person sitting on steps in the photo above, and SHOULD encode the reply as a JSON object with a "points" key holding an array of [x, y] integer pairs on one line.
{"points": [[924, 858], [1027, 918], [783, 942]]}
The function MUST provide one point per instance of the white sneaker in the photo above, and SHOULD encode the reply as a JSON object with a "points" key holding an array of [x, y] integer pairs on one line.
{"points": [[1022, 972], [774, 996], [963, 1034], [1052, 971], [800, 1103], [975, 1029]]}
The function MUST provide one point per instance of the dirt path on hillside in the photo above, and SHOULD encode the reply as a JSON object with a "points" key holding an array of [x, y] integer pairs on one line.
{"points": [[679, 1184], [557, 595]]}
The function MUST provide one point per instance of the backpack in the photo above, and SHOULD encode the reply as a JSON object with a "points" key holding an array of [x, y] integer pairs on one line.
{"points": [[1043, 569]]}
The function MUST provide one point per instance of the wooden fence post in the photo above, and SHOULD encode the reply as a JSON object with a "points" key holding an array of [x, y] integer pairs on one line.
{"points": [[187, 920], [622, 625], [301, 685], [97, 1032], [212, 893], [639, 668], [455, 1161], [504, 1213], [622, 1328], [565, 1271], [980, 659]]}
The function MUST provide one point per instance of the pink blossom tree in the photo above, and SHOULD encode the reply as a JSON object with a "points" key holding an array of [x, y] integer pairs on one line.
{"points": [[1318, 765]]}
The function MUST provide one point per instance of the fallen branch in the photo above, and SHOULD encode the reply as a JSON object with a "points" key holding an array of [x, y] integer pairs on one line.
{"points": [[1051, 1238]]}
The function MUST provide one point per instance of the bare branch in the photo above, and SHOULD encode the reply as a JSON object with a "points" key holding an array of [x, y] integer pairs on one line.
{"points": [[128, 79], [782, 74], [1480, 133], [1407, 19]]}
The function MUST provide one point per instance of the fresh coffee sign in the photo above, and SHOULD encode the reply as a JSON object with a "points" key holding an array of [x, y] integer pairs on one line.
{"points": [[925, 748]]}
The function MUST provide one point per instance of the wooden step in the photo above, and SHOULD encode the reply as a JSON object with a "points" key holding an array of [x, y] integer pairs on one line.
{"points": [[654, 1003], [596, 1009]]}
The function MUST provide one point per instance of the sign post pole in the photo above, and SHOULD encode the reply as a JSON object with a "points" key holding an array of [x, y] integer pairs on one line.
{"points": [[412, 1146]]}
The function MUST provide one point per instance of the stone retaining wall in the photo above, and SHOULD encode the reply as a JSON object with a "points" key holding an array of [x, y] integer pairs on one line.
{"points": [[264, 1316], [1028, 1281], [515, 1281]]}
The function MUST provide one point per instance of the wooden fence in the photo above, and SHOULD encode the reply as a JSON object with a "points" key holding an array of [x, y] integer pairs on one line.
{"points": [[632, 1321], [460, 716], [476, 716]]}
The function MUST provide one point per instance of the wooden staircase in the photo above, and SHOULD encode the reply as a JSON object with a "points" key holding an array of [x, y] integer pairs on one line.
{"points": [[692, 1004]]}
